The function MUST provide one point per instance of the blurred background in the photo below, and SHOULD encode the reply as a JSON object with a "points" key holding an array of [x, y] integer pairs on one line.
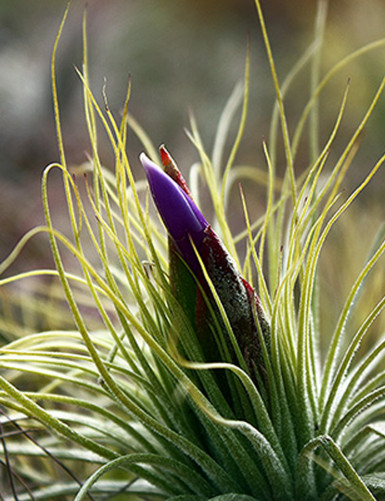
{"points": [[181, 56]]}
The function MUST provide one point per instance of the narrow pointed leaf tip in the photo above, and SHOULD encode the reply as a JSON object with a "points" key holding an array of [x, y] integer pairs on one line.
{"points": [[171, 169], [179, 213]]}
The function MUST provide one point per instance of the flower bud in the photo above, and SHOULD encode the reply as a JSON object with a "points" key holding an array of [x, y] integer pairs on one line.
{"points": [[185, 224]]}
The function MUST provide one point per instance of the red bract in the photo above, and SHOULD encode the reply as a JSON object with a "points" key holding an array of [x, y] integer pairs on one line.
{"points": [[186, 224]]}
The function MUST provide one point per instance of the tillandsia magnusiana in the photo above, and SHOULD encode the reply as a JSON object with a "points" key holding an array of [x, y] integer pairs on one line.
{"points": [[197, 257]]}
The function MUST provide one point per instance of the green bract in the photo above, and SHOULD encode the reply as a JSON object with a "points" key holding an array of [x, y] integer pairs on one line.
{"points": [[137, 397]]}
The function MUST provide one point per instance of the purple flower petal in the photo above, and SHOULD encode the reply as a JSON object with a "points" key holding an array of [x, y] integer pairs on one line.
{"points": [[179, 213]]}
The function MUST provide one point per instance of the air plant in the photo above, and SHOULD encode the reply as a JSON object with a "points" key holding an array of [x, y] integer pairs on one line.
{"points": [[205, 379]]}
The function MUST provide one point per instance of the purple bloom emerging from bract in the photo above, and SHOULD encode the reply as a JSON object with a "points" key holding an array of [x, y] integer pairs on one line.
{"points": [[182, 218], [185, 224]]}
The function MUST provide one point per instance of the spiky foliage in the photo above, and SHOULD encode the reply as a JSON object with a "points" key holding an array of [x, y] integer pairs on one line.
{"points": [[132, 406]]}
